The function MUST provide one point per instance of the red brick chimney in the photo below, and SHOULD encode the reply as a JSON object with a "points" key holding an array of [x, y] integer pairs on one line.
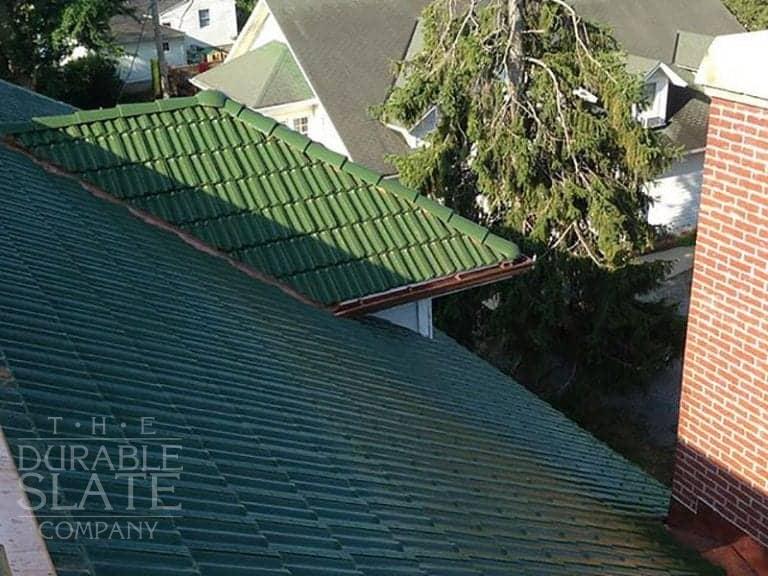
{"points": [[721, 474]]}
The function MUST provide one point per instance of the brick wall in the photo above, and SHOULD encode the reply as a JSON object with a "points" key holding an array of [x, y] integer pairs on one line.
{"points": [[722, 457]]}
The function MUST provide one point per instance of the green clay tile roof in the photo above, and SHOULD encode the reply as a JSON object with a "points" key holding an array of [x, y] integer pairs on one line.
{"points": [[19, 104], [279, 79], [310, 445], [267, 196]]}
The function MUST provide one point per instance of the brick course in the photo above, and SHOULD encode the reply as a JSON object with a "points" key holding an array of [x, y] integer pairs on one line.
{"points": [[722, 457]]}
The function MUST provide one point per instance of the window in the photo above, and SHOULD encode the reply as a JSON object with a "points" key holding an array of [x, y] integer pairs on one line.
{"points": [[204, 17], [649, 94], [166, 47], [301, 125]]}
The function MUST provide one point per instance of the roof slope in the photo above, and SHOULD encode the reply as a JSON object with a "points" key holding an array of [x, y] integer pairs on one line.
{"points": [[279, 80], [649, 28], [310, 444], [347, 50], [267, 196], [21, 104]]}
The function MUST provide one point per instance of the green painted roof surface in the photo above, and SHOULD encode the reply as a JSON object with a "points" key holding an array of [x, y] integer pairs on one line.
{"points": [[311, 445], [267, 196], [266, 76], [19, 104]]}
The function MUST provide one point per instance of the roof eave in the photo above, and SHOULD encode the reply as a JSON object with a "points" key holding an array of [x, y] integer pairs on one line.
{"points": [[434, 288]]}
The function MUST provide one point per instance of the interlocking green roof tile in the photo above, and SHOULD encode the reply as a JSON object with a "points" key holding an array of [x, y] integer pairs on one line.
{"points": [[267, 196], [310, 444]]}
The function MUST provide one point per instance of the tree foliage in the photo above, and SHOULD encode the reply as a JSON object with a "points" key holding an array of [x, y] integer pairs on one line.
{"points": [[36, 36], [87, 83], [556, 167], [753, 14], [537, 119]]}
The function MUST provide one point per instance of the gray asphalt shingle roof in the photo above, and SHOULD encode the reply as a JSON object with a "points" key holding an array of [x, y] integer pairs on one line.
{"points": [[348, 49], [649, 28]]}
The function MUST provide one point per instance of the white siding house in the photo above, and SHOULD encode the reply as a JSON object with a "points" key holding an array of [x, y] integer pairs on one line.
{"points": [[134, 66], [262, 29], [204, 22], [676, 195]]}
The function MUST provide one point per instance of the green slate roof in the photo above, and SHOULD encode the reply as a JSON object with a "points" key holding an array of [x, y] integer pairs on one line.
{"points": [[312, 445], [17, 103], [264, 77], [266, 195]]}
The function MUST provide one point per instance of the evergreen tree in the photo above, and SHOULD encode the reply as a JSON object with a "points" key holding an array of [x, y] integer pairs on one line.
{"points": [[753, 14], [537, 121]]}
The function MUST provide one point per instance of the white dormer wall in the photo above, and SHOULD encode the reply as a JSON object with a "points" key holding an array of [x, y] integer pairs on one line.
{"points": [[222, 22], [655, 114], [416, 316]]}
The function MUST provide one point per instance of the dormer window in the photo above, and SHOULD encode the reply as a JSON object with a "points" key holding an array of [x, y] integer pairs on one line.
{"points": [[653, 111]]}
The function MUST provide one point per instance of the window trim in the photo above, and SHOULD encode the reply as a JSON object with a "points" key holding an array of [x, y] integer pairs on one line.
{"points": [[204, 17], [300, 124]]}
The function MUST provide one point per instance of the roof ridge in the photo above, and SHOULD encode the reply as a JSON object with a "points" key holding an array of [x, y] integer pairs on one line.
{"points": [[271, 128]]}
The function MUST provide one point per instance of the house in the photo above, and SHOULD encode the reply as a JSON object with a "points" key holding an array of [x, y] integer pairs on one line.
{"points": [[721, 476], [224, 424], [337, 93], [190, 30], [136, 38]]}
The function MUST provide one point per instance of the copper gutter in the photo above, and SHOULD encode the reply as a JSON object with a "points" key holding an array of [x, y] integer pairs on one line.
{"points": [[434, 288]]}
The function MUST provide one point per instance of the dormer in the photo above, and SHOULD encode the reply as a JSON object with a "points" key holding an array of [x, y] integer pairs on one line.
{"points": [[657, 79]]}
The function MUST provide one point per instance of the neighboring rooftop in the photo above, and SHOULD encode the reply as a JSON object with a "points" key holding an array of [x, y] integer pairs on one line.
{"points": [[309, 444], [279, 80], [20, 104], [138, 28], [348, 50], [649, 28], [690, 49], [273, 200]]}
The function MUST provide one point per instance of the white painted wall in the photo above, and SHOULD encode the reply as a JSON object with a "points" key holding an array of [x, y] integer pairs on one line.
{"points": [[321, 129], [677, 195], [253, 29], [142, 69], [222, 30], [261, 29], [657, 108], [416, 316]]}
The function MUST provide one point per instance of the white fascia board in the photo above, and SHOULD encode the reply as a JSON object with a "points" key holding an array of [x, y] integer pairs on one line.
{"points": [[258, 17], [287, 106], [673, 76]]}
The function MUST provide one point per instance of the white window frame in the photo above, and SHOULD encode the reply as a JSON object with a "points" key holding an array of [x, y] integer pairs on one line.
{"points": [[300, 124]]}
